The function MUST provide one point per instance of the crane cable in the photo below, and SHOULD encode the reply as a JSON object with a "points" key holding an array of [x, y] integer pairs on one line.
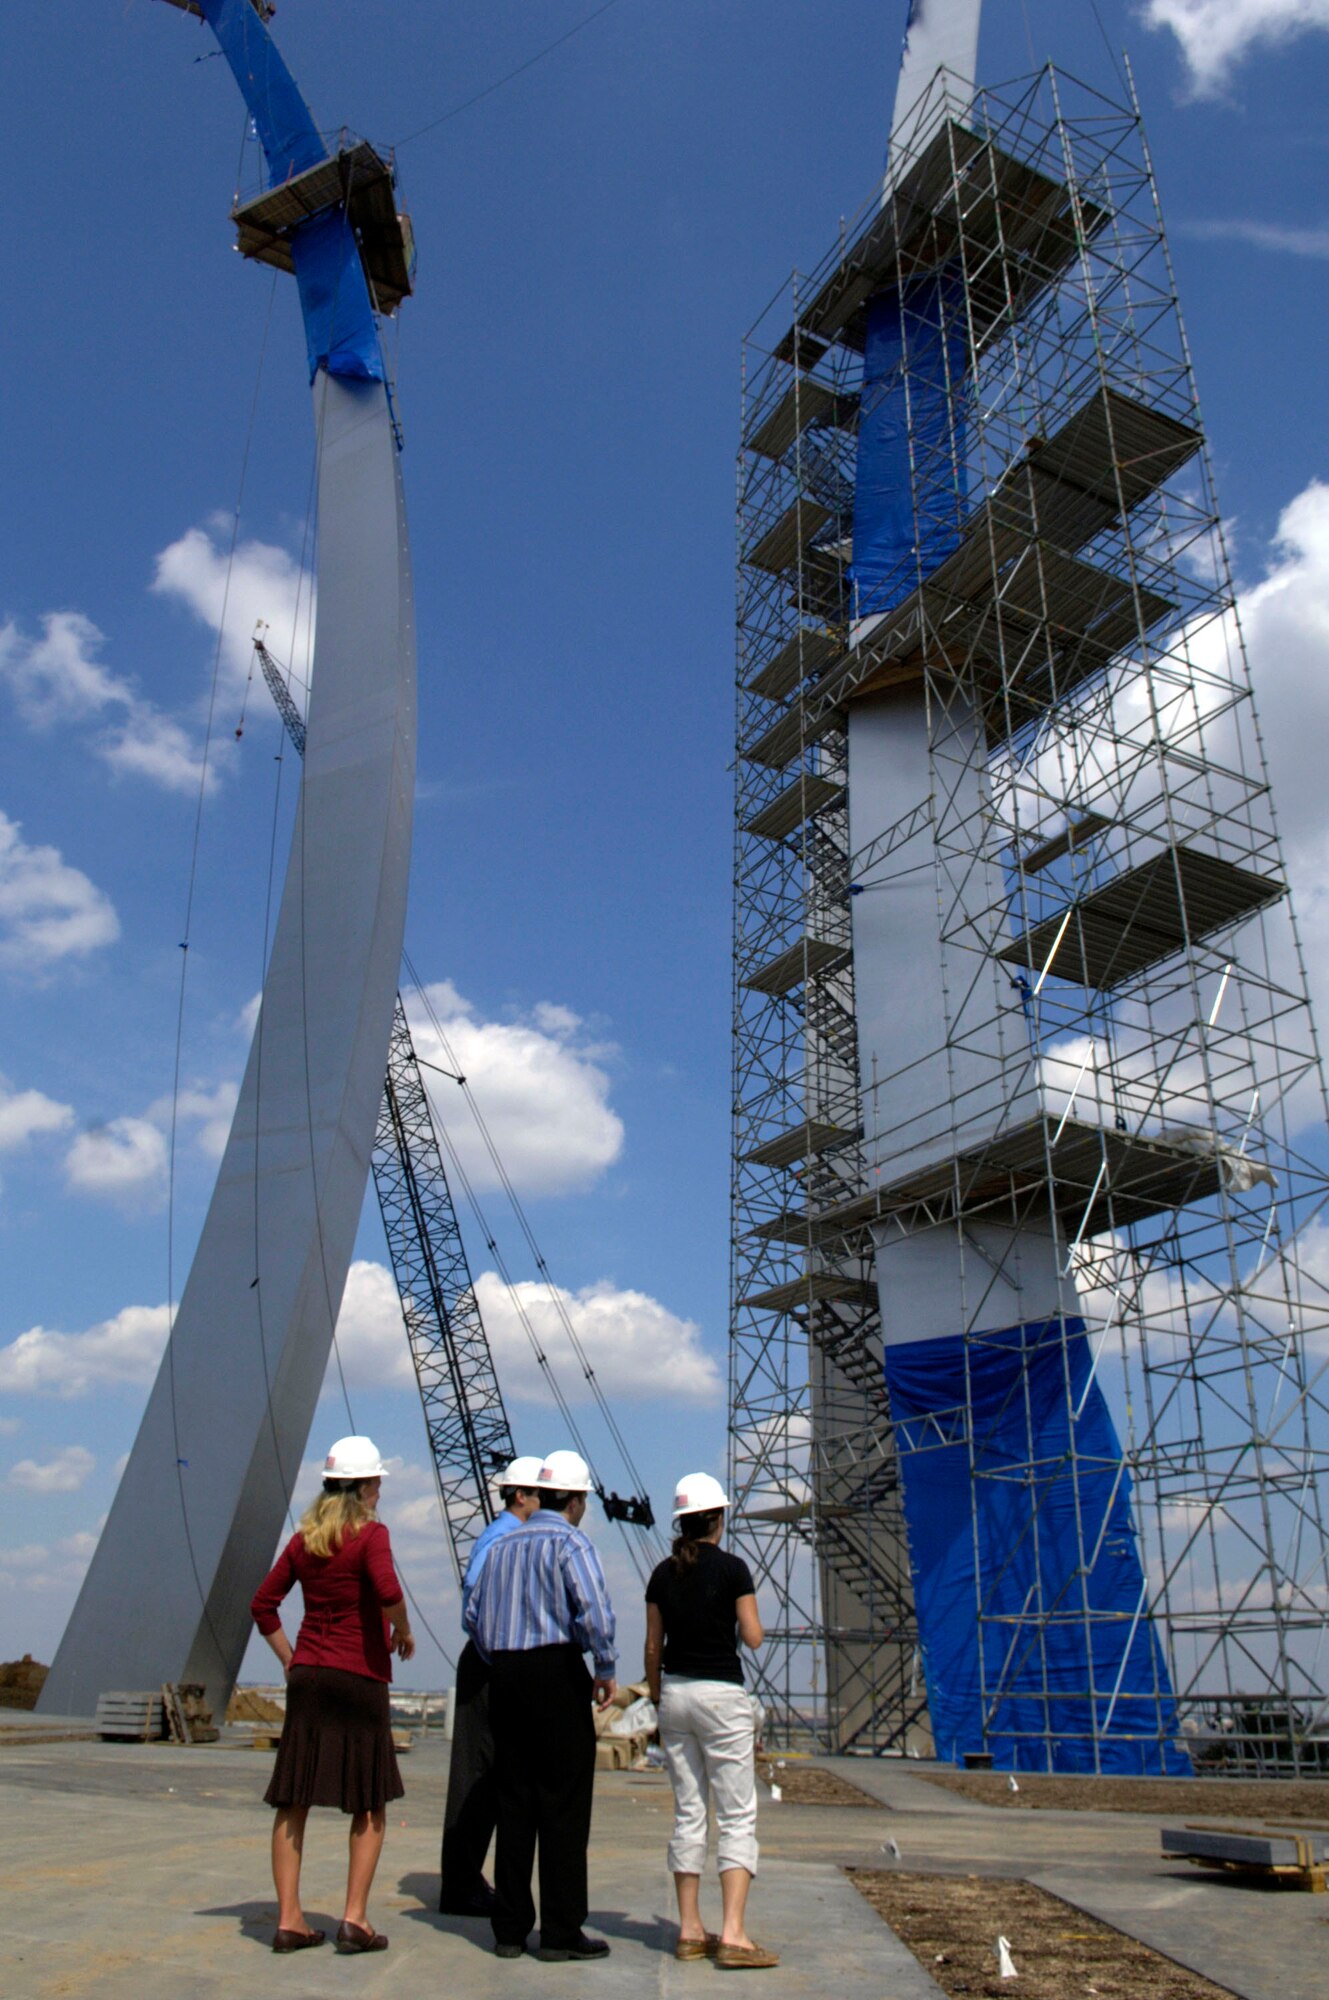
{"points": [[555, 1293]]}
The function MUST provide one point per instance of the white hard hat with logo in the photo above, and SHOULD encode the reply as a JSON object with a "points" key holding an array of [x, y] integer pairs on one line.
{"points": [[354, 1458], [564, 1472], [521, 1472], [698, 1493]]}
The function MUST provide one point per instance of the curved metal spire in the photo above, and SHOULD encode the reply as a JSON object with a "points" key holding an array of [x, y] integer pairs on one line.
{"points": [[200, 1505], [940, 36]]}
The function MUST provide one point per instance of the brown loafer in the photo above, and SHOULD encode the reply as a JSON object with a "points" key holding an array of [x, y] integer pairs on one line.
{"points": [[702, 1947], [745, 1957], [354, 1937], [296, 1940]]}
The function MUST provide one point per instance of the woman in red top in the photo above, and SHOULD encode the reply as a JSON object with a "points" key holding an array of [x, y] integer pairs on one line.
{"points": [[336, 1742]]}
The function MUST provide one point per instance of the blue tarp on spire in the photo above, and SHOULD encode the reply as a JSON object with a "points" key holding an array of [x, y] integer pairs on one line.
{"points": [[910, 439], [340, 329], [1018, 1519]]}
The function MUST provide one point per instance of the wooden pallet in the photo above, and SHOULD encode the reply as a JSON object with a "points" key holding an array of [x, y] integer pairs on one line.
{"points": [[125, 1716], [1281, 1857]]}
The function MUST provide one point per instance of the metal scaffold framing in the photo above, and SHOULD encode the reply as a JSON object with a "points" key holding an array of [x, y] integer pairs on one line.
{"points": [[1101, 1111]]}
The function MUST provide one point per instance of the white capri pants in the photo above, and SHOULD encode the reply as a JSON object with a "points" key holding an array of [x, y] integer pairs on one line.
{"points": [[707, 1732]]}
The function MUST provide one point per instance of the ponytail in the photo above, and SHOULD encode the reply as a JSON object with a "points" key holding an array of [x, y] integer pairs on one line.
{"points": [[693, 1530]]}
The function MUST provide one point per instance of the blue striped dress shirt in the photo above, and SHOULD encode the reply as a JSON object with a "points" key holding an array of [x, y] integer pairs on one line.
{"points": [[544, 1587], [502, 1524]]}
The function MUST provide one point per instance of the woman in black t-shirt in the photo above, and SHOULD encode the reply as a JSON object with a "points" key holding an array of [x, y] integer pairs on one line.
{"points": [[699, 1603]]}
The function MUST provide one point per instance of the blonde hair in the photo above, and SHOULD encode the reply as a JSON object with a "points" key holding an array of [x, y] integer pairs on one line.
{"points": [[336, 1516]]}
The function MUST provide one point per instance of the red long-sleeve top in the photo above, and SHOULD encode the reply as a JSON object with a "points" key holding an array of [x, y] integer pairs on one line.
{"points": [[344, 1596]]}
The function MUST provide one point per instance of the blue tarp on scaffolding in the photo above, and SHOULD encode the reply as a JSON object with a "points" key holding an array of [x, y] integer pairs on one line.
{"points": [[910, 433], [1023, 1671], [341, 332]]}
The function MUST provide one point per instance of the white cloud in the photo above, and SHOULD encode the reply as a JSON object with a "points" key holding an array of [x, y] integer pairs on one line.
{"points": [[58, 679], [48, 910], [231, 594], [1295, 241], [1285, 618], [124, 1159], [116, 1353], [371, 1337], [37, 1569], [24, 1114], [539, 1086], [213, 1109], [639, 1350], [65, 1473], [1217, 35]]}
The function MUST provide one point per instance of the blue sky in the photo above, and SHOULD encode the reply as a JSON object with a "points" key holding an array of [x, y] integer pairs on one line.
{"points": [[594, 239]]}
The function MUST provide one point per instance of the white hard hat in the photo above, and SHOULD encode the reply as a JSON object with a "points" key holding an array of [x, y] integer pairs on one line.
{"points": [[354, 1458], [698, 1493], [565, 1472], [521, 1472]]}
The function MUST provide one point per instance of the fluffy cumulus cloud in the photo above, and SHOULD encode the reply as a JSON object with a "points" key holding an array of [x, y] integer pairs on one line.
{"points": [[638, 1349], [38, 1569], [65, 1473], [49, 911], [1216, 36], [233, 593], [1285, 617], [27, 1114], [116, 1353], [124, 1159], [539, 1082], [59, 679], [208, 1112]]}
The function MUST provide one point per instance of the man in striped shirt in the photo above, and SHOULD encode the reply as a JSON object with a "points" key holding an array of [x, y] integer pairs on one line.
{"points": [[472, 1808], [539, 1603]]}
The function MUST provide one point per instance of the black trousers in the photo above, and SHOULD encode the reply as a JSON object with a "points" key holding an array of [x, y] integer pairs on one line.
{"points": [[544, 1761], [472, 1809]]}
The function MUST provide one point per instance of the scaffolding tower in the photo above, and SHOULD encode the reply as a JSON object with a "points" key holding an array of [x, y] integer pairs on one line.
{"points": [[1119, 1091]]}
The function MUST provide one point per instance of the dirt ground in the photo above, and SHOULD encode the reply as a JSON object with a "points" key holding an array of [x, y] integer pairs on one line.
{"points": [[1275, 1802], [952, 1923], [804, 1785]]}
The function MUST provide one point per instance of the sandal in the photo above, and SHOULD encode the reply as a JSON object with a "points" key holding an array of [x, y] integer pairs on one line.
{"points": [[355, 1937]]}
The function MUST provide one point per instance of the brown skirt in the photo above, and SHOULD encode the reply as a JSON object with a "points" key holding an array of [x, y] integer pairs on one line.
{"points": [[336, 1743]]}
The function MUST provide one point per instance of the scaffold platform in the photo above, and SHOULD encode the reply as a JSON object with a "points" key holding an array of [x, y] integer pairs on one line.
{"points": [[1142, 916], [360, 181]]}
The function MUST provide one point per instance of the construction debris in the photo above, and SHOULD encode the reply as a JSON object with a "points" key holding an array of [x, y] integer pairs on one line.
{"points": [[248, 1705], [21, 1682], [188, 1717]]}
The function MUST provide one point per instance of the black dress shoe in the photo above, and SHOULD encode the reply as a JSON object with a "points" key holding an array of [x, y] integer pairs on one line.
{"points": [[581, 1947], [508, 1950]]}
